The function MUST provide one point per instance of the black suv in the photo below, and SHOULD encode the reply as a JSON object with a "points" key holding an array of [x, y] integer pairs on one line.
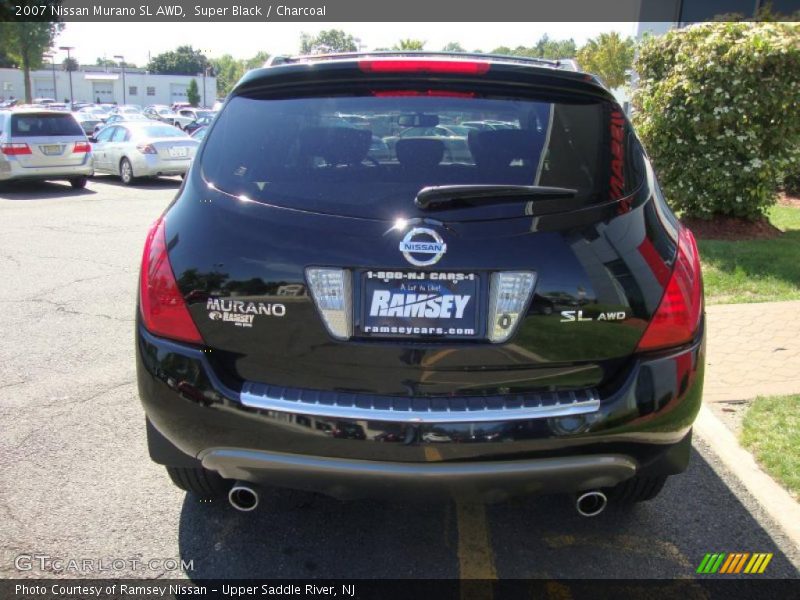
{"points": [[353, 293]]}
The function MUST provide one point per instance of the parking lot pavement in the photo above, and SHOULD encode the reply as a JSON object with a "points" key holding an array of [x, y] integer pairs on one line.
{"points": [[76, 482]]}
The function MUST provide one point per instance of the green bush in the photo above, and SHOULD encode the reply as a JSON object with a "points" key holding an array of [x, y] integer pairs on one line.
{"points": [[718, 108], [791, 180]]}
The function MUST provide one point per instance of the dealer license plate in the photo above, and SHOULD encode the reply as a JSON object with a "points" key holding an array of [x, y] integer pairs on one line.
{"points": [[419, 304]]}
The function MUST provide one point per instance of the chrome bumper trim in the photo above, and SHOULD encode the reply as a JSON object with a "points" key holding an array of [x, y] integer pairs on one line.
{"points": [[398, 409]]}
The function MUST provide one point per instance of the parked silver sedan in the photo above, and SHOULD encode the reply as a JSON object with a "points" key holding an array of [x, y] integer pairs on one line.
{"points": [[133, 149], [43, 144]]}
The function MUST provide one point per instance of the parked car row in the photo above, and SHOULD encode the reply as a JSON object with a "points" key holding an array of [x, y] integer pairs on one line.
{"points": [[43, 144]]}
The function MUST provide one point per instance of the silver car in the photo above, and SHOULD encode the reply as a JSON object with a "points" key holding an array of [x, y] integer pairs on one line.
{"points": [[133, 149], [43, 144]]}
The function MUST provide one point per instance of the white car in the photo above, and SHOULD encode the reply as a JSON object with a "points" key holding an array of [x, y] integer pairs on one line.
{"points": [[133, 149], [43, 144]]}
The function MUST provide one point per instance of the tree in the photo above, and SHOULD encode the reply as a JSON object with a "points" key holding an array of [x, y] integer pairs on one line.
{"points": [[453, 47], [228, 71], [547, 48], [184, 60], [610, 56], [409, 44], [6, 62], [25, 42], [544, 48], [257, 61], [107, 62], [70, 64], [192, 93], [330, 40]]}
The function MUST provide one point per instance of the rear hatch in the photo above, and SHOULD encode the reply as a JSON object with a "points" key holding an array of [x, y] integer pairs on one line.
{"points": [[51, 139], [312, 257]]}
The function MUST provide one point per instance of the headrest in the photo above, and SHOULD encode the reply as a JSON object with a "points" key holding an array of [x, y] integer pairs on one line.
{"points": [[419, 153], [336, 145], [499, 147]]}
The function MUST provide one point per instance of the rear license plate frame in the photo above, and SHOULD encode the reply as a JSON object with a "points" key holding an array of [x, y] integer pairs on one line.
{"points": [[429, 326]]}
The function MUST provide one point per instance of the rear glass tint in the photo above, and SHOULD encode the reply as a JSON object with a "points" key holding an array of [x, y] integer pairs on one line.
{"points": [[369, 155], [40, 125]]}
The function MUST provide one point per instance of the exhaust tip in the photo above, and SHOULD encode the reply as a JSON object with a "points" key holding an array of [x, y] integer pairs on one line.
{"points": [[243, 497], [591, 504]]}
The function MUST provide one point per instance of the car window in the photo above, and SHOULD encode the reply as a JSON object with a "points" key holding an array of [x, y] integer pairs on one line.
{"points": [[296, 152], [120, 135], [39, 125], [154, 131], [105, 134]]}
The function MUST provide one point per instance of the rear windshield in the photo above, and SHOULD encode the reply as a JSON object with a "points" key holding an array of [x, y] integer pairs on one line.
{"points": [[157, 131], [369, 155], [39, 125]]}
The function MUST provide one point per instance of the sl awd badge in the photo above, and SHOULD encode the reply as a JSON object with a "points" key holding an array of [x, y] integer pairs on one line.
{"points": [[419, 242]]}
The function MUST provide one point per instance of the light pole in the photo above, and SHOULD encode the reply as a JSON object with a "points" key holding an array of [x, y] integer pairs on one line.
{"points": [[53, 64], [69, 49], [122, 64]]}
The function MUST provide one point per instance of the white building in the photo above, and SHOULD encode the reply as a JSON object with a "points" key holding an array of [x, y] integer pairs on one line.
{"points": [[107, 85]]}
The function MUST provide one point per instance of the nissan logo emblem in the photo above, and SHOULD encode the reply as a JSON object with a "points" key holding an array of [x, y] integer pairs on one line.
{"points": [[421, 241]]}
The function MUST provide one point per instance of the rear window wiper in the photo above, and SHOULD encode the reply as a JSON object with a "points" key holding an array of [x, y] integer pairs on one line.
{"points": [[436, 196]]}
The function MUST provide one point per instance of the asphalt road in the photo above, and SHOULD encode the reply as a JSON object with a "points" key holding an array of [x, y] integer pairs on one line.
{"points": [[76, 482]]}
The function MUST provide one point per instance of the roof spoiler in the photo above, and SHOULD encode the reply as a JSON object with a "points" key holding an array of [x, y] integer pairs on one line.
{"points": [[564, 64]]}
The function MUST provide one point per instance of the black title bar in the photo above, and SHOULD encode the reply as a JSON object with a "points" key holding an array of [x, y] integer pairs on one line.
{"points": [[378, 10]]}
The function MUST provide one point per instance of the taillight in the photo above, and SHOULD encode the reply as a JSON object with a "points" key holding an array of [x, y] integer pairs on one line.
{"points": [[509, 295], [163, 308], [678, 315], [81, 148], [330, 289], [455, 67], [15, 149], [146, 149]]}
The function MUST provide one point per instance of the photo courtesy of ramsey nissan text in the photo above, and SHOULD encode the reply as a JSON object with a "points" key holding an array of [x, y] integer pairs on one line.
{"points": [[389, 300]]}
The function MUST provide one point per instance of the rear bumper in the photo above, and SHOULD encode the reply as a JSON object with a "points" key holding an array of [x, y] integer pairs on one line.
{"points": [[149, 165], [641, 424], [488, 481], [12, 171]]}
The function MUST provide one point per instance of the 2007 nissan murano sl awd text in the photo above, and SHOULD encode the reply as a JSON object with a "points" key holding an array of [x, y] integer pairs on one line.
{"points": [[411, 274]]}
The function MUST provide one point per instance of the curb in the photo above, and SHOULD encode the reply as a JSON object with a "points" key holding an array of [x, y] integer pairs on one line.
{"points": [[775, 500]]}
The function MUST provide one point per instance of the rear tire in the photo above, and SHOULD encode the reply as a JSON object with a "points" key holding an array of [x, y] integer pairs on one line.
{"points": [[126, 172], [637, 489], [78, 182], [199, 481]]}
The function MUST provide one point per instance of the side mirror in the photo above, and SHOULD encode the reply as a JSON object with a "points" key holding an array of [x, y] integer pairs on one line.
{"points": [[92, 139]]}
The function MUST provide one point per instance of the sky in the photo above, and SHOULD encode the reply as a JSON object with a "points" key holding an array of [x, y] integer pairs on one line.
{"points": [[135, 40]]}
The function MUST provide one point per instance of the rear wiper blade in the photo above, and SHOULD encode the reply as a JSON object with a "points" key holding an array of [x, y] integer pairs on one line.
{"points": [[432, 197]]}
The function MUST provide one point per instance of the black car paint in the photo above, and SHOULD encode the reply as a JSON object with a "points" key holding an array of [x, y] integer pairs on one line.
{"points": [[221, 245]]}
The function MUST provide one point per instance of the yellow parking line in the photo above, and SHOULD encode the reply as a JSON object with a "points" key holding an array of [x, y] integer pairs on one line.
{"points": [[475, 558]]}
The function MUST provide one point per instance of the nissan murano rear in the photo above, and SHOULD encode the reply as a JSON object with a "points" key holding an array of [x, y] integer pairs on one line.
{"points": [[415, 275]]}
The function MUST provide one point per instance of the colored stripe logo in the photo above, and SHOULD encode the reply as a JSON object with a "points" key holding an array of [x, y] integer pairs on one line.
{"points": [[733, 563]]}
